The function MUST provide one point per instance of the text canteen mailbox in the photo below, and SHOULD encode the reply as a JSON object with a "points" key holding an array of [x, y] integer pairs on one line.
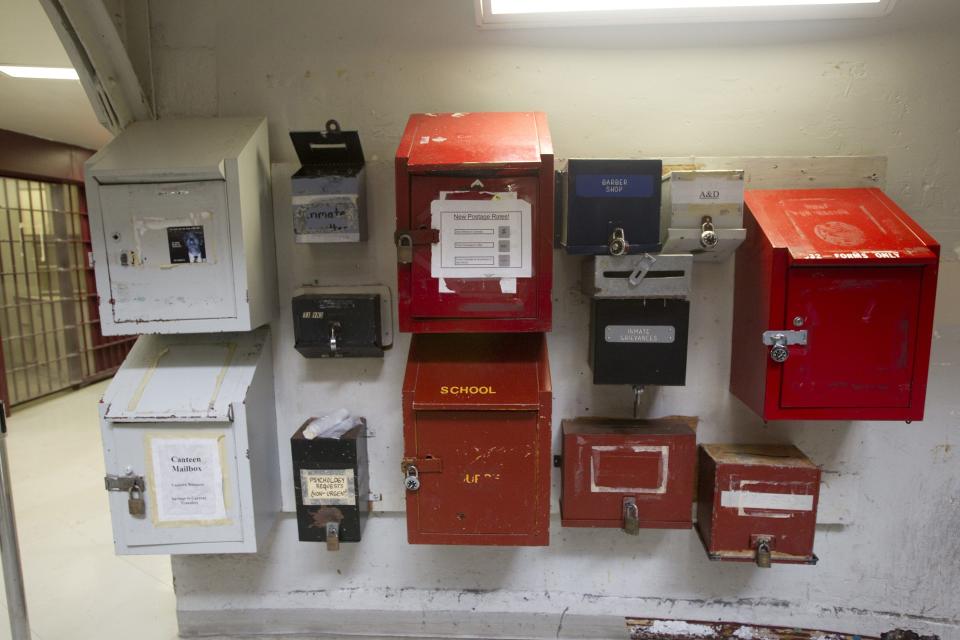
{"points": [[190, 445], [629, 474], [182, 227], [639, 317], [474, 228], [611, 207], [757, 503], [476, 434], [833, 307], [331, 480], [704, 210]]}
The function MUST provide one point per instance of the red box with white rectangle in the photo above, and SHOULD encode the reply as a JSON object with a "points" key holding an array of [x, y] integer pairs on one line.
{"points": [[757, 503], [628, 473], [833, 307]]}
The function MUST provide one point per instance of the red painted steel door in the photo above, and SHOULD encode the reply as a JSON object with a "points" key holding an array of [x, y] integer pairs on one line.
{"points": [[469, 298], [862, 334], [489, 480]]}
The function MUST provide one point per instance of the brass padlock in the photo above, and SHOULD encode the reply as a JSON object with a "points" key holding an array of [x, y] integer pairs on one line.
{"points": [[405, 248], [136, 505]]}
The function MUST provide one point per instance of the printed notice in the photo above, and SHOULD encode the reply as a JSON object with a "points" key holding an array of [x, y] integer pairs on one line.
{"points": [[188, 479], [327, 486], [482, 239]]}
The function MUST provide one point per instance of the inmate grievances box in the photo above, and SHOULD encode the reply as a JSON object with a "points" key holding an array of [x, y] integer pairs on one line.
{"points": [[332, 483], [476, 439], [757, 503], [329, 189], [475, 223], [628, 473], [182, 227], [611, 207], [338, 325], [833, 307]]}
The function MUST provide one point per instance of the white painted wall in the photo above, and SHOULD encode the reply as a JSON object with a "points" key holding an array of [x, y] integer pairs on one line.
{"points": [[888, 88]]}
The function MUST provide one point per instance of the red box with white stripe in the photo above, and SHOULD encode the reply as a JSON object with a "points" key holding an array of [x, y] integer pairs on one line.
{"points": [[634, 474], [757, 503]]}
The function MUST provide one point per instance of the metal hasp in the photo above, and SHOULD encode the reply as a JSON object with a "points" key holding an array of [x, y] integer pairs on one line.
{"points": [[182, 227], [497, 167], [610, 206], [629, 474], [331, 483], [10, 545], [329, 190], [859, 276], [757, 503], [476, 439]]}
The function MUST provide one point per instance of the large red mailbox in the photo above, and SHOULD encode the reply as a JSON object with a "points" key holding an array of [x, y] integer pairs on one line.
{"points": [[833, 307], [475, 215], [476, 434], [757, 503], [631, 474]]}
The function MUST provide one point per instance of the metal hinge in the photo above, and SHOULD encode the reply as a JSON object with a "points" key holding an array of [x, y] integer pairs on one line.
{"points": [[123, 483]]}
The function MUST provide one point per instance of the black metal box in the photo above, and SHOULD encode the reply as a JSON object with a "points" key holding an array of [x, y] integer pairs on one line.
{"points": [[639, 341], [337, 325], [611, 206], [332, 484]]}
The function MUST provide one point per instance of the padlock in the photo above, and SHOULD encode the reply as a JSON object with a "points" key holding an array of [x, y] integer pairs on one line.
{"points": [[631, 516], [618, 242], [708, 237], [404, 248], [763, 556], [412, 479], [779, 352], [136, 505]]}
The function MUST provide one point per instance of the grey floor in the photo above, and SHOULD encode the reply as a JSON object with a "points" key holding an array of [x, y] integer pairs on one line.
{"points": [[76, 587]]}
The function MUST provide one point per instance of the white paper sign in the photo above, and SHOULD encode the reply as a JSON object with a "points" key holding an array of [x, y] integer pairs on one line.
{"points": [[482, 239], [327, 486], [187, 479]]}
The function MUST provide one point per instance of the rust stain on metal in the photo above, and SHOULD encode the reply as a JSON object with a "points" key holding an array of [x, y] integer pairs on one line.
{"points": [[664, 629]]}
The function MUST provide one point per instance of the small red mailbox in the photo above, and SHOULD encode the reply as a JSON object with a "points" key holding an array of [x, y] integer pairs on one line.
{"points": [[628, 473], [757, 503], [833, 307], [476, 434], [475, 223]]}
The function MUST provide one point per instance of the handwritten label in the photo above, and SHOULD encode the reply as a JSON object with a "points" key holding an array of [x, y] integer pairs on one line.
{"points": [[328, 487]]}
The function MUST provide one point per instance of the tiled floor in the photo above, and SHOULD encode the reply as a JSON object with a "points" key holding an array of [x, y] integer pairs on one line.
{"points": [[77, 589]]}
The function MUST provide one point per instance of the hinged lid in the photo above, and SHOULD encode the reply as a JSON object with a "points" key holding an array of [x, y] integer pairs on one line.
{"points": [[764, 455], [477, 371], [595, 425], [183, 378], [329, 151], [172, 150], [436, 140], [841, 226]]}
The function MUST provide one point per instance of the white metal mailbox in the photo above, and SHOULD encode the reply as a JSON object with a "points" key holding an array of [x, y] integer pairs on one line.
{"points": [[190, 444], [182, 227], [705, 210]]}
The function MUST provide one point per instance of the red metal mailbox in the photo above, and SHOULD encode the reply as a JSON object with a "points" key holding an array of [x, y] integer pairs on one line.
{"points": [[476, 433], [757, 503], [628, 473], [475, 216], [833, 307]]}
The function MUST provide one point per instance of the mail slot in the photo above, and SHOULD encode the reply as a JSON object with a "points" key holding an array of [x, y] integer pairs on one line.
{"points": [[833, 307], [474, 228], [757, 503], [476, 432], [630, 474]]}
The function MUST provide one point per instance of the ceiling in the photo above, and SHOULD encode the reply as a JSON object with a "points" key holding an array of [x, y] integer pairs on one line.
{"points": [[52, 109]]}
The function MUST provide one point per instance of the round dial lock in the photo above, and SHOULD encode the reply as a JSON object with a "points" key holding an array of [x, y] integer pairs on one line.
{"points": [[779, 353], [412, 480]]}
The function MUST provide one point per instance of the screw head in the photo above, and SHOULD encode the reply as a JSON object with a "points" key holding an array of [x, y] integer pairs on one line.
{"points": [[798, 321]]}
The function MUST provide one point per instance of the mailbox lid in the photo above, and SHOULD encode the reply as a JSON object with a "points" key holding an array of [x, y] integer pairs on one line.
{"points": [[748, 491], [608, 459], [840, 227], [502, 372], [438, 140]]}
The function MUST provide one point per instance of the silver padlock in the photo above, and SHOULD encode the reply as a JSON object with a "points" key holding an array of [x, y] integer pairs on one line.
{"points": [[405, 248], [618, 242], [136, 505], [763, 552], [412, 481], [708, 237]]}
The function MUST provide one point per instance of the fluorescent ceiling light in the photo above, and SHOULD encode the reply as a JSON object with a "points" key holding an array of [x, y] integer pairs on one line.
{"points": [[44, 73], [564, 6]]}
